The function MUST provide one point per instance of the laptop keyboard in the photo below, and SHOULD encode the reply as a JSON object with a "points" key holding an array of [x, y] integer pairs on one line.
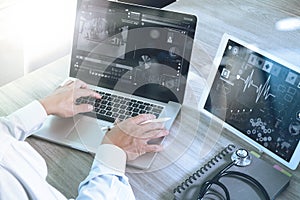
{"points": [[111, 106]]}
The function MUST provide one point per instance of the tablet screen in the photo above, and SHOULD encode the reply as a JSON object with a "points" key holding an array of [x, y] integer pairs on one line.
{"points": [[259, 97]]}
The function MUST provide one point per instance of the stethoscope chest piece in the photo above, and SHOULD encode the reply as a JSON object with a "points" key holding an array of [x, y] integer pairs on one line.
{"points": [[241, 157]]}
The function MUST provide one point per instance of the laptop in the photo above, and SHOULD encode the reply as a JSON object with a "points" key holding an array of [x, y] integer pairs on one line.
{"points": [[257, 96], [137, 58]]}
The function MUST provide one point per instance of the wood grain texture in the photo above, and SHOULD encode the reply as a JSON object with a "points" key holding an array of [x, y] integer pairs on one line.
{"points": [[194, 139]]}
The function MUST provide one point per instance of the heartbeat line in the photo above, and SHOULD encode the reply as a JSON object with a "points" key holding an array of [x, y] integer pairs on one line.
{"points": [[261, 90]]}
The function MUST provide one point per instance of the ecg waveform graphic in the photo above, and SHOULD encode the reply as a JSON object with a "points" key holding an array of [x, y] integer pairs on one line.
{"points": [[261, 90]]}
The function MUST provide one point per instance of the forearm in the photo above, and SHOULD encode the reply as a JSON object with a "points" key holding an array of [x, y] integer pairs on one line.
{"points": [[106, 179]]}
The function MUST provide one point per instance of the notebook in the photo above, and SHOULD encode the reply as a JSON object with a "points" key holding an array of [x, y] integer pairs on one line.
{"points": [[137, 58], [258, 169], [257, 96]]}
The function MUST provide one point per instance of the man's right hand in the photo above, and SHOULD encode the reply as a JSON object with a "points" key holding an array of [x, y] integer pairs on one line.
{"points": [[132, 136]]}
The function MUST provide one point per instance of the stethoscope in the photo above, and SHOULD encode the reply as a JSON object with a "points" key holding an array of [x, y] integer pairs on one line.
{"points": [[241, 158]]}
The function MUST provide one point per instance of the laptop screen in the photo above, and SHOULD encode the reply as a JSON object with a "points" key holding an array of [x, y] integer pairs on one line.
{"points": [[260, 98], [133, 49]]}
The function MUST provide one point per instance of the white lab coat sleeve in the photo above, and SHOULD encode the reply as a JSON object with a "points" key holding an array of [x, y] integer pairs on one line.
{"points": [[21, 123], [107, 179]]}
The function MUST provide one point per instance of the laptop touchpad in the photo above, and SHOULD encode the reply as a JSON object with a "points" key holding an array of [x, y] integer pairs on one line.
{"points": [[87, 133], [56, 127]]}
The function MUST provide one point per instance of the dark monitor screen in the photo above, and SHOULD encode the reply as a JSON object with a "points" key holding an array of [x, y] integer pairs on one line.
{"points": [[133, 49]]}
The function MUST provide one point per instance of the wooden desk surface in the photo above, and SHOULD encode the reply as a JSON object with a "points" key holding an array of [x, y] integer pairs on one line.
{"points": [[192, 142]]}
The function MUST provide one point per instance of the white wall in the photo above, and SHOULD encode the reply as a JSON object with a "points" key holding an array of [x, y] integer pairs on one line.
{"points": [[33, 33], [11, 42], [48, 31]]}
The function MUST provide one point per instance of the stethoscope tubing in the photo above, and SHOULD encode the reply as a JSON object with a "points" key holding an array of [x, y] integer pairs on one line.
{"points": [[224, 172]]}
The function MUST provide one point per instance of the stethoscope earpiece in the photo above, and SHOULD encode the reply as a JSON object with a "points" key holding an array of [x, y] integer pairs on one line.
{"points": [[241, 158]]}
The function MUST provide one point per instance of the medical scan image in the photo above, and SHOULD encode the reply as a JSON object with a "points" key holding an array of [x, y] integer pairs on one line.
{"points": [[259, 97]]}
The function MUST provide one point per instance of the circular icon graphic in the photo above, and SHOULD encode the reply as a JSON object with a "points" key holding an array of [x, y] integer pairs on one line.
{"points": [[235, 50], [145, 61], [298, 116], [155, 34]]}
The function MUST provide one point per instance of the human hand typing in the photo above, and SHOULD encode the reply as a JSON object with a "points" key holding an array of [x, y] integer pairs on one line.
{"points": [[62, 101], [132, 135]]}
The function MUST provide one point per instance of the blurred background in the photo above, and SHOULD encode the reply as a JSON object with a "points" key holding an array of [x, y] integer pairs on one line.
{"points": [[32, 34]]}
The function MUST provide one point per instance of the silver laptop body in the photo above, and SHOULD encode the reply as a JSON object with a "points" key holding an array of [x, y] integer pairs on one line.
{"points": [[137, 57]]}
